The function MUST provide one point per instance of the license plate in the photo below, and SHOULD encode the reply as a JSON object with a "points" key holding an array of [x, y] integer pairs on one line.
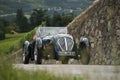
{"points": [[67, 53]]}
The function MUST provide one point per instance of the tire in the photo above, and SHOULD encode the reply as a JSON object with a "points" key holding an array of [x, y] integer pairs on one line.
{"points": [[26, 52], [25, 58], [38, 57], [56, 56], [75, 50], [83, 51], [85, 57]]}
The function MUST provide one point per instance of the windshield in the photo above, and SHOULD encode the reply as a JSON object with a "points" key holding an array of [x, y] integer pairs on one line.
{"points": [[70, 43], [65, 43], [43, 32]]}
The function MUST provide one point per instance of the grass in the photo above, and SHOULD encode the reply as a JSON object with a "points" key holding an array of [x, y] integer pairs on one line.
{"points": [[7, 72], [13, 42], [10, 44]]}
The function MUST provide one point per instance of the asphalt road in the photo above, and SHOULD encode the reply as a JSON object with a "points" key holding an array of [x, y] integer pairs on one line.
{"points": [[87, 72]]}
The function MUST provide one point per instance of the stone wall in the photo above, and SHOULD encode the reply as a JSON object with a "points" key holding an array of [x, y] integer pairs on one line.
{"points": [[101, 24]]}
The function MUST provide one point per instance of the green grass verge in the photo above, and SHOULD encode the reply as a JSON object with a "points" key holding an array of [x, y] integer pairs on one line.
{"points": [[7, 72], [11, 43]]}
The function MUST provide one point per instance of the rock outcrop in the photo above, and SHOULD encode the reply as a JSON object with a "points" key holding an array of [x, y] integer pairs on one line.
{"points": [[101, 24]]}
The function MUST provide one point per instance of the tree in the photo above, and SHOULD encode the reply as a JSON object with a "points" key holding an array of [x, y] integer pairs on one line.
{"points": [[56, 19], [22, 21], [66, 19], [10, 27], [2, 35], [37, 17], [61, 19], [48, 20], [3, 23]]}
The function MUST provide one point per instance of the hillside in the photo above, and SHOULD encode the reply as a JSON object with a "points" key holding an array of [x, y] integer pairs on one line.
{"points": [[10, 6], [67, 3]]}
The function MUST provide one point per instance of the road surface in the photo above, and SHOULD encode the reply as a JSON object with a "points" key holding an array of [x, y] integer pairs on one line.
{"points": [[87, 72]]}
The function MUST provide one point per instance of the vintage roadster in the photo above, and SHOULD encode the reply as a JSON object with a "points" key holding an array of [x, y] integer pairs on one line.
{"points": [[54, 43]]}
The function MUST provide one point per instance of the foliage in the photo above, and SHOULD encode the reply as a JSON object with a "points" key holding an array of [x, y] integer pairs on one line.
{"points": [[37, 16], [28, 36], [10, 27], [22, 21], [66, 19], [2, 35], [14, 42], [6, 26], [56, 19], [61, 19], [3, 24]]}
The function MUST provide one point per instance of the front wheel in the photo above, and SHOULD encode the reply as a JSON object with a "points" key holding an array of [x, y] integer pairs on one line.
{"points": [[84, 52], [38, 57], [25, 59], [85, 57]]}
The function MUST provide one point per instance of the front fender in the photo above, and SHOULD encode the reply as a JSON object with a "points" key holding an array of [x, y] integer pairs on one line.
{"points": [[26, 47]]}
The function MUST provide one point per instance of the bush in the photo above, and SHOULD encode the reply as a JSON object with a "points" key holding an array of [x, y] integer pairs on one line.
{"points": [[28, 36]]}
